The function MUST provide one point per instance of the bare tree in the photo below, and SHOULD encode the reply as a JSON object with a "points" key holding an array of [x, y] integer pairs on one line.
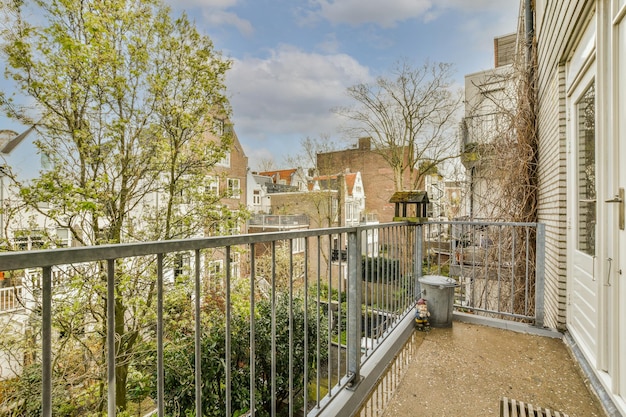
{"points": [[309, 148], [266, 164], [410, 116]]}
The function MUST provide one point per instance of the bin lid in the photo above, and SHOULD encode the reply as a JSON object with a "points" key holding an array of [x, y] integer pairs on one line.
{"points": [[438, 280]]}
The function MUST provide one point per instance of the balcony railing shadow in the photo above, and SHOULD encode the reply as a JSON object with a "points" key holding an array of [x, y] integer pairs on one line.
{"points": [[262, 324]]}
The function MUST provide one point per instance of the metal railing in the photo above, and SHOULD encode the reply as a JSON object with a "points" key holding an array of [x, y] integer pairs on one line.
{"points": [[252, 325], [499, 266], [279, 220]]}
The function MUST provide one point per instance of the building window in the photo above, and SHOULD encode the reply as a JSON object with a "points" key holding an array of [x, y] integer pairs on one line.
{"points": [[64, 238], [225, 161], [182, 262], [586, 128], [234, 188], [235, 264], [256, 198], [212, 185], [349, 212], [298, 245], [219, 127], [28, 239], [215, 271]]}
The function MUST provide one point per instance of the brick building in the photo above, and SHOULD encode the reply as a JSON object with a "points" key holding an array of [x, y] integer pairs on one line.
{"points": [[377, 175]]}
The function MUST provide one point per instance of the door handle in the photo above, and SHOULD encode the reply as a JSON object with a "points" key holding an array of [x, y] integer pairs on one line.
{"points": [[619, 198]]}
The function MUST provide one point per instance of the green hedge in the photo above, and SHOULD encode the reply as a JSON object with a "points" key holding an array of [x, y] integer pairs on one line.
{"points": [[379, 268]]}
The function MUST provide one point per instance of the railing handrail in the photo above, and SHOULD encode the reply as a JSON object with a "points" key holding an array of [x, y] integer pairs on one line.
{"points": [[53, 257]]}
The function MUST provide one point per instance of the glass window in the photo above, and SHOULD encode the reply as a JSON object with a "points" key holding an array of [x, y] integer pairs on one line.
{"points": [[234, 188], [215, 270], [225, 161], [212, 185], [298, 245], [218, 126], [64, 237], [28, 240], [586, 171], [235, 263], [182, 262]]}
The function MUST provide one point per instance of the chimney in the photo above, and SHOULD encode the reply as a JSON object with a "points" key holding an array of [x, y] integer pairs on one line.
{"points": [[365, 144]]}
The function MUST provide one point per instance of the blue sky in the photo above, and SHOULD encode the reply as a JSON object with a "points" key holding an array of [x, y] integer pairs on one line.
{"points": [[294, 59]]}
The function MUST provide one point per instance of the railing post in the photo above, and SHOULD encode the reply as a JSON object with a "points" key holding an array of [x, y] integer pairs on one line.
{"points": [[540, 271], [354, 308], [111, 360], [46, 342], [417, 262]]}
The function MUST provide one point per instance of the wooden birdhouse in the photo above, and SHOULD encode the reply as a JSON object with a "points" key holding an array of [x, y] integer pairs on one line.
{"points": [[410, 205]]}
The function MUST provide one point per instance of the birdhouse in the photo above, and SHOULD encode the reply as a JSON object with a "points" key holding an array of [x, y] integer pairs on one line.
{"points": [[410, 205]]}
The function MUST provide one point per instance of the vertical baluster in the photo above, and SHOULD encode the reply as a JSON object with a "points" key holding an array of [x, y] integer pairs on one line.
{"points": [[197, 335], [228, 355], [46, 342], [160, 365], [252, 332]]}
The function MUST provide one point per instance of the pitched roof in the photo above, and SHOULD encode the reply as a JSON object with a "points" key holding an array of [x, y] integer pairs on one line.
{"points": [[350, 181], [281, 174], [332, 181]]}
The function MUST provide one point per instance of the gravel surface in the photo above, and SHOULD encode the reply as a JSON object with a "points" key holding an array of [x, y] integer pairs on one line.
{"points": [[466, 369]]}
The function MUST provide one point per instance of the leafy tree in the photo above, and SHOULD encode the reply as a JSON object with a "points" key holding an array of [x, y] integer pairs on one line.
{"points": [[410, 116], [125, 101]]}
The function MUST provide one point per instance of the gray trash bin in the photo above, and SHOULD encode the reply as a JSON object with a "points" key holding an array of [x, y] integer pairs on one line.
{"points": [[438, 291]]}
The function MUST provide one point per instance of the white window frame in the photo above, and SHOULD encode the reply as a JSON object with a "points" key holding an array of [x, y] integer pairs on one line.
{"points": [[219, 126], [235, 265], [234, 191], [64, 237], [29, 239], [212, 184], [225, 161], [215, 269], [298, 245]]}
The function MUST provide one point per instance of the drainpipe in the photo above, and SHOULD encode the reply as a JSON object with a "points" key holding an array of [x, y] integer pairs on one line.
{"points": [[529, 20]]}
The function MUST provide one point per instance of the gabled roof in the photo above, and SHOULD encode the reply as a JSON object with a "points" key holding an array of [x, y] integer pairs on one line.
{"points": [[331, 181], [350, 181]]}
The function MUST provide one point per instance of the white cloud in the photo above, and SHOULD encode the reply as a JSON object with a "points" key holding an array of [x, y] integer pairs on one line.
{"points": [[214, 12], [212, 4], [383, 13], [390, 12], [290, 94], [220, 18]]}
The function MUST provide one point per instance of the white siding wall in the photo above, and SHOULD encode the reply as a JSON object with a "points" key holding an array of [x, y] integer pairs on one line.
{"points": [[554, 43]]}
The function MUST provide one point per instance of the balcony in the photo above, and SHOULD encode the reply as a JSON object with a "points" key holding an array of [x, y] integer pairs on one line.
{"points": [[278, 221], [122, 327]]}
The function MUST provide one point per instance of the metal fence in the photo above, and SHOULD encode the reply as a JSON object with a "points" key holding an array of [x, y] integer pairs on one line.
{"points": [[499, 266], [262, 324]]}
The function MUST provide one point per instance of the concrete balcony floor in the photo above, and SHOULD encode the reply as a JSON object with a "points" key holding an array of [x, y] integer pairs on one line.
{"points": [[465, 370]]}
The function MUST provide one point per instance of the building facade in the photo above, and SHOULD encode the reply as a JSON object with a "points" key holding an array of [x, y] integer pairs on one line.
{"points": [[377, 175], [581, 93], [490, 100]]}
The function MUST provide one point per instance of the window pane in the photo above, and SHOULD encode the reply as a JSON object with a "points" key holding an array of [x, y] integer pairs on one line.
{"points": [[586, 116]]}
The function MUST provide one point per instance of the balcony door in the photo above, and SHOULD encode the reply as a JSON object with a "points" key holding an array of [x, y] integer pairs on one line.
{"points": [[584, 284]]}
